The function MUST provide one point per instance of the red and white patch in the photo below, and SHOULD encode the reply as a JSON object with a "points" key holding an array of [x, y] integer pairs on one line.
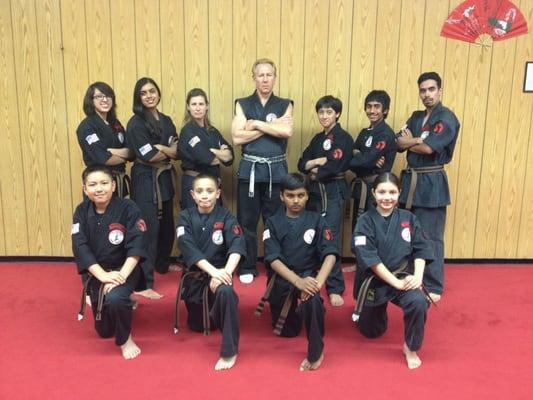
{"points": [[381, 145], [271, 117], [328, 234], [116, 236], [406, 234], [309, 235], [337, 154], [237, 230], [117, 226], [326, 145], [141, 225], [405, 224], [218, 225], [439, 128], [217, 237]]}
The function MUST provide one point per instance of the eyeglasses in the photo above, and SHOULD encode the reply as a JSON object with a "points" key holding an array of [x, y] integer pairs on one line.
{"points": [[100, 97]]}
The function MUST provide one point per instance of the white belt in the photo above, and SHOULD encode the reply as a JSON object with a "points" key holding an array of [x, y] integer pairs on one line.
{"points": [[261, 160]]}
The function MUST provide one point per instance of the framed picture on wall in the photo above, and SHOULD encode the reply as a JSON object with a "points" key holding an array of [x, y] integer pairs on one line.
{"points": [[528, 77]]}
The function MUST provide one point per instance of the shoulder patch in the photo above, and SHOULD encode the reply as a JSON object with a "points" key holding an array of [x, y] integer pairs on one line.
{"points": [[194, 141], [337, 154], [145, 149], [438, 128], [237, 230], [381, 145], [180, 231], [359, 241], [92, 138], [141, 225], [266, 234], [75, 228]]}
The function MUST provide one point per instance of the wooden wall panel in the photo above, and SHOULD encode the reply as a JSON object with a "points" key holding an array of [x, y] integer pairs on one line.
{"points": [[51, 50], [221, 82], [55, 132], [30, 102], [11, 167]]}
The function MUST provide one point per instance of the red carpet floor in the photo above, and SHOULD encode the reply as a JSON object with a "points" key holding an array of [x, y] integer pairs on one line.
{"points": [[479, 345]]}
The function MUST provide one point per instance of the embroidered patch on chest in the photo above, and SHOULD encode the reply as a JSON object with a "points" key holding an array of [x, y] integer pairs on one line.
{"points": [[217, 237], [309, 235]]}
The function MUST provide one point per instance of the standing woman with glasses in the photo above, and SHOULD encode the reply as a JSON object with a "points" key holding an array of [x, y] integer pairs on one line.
{"points": [[201, 148], [152, 136], [101, 135]]}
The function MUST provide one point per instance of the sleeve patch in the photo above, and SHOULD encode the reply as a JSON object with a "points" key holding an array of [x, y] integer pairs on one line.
{"points": [[337, 154], [75, 228], [359, 241], [266, 234], [92, 138], [180, 231], [194, 141], [381, 145], [438, 128], [145, 149]]}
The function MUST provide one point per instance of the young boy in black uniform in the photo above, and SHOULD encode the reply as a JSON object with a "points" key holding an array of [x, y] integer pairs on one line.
{"points": [[107, 242], [374, 151], [212, 244], [301, 252], [325, 160]]}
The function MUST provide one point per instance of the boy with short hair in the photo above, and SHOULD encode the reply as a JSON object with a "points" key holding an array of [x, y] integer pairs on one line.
{"points": [[212, 244], [107, 242], [325, 160], [301, 252]]}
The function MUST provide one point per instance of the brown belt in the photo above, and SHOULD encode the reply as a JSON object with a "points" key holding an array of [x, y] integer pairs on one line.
{"points": [[363, 290], [365, 182], [123, 182], [190, 172], [324, 194], [414, 177], [160, 168], [200, 276], [84, 293], [280, 323]]}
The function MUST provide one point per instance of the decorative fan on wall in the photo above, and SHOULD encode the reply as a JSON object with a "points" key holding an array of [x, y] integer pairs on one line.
{"points": [[475, 20]]}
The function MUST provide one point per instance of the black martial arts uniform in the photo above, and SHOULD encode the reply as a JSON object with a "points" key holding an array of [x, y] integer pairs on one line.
{"points": [[196, 158], [150, 192], [108, 239], [328, 188], [393, 241], [301, 244], [212, 237], [263, 165], [371, 144], [94, 138], [431, 194]]}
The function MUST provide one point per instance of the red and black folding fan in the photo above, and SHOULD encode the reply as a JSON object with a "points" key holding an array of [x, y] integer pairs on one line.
{"points": [[500, 19]]}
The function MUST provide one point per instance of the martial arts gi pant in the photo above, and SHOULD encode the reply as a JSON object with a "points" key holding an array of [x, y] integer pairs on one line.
{"points": [[248, 211], [159, 238], [433, 222], [373, 320], [223, 314], [117, 309], [333, 217], [309, 313]]}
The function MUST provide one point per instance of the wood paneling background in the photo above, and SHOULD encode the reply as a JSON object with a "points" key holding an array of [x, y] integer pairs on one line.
{"points": [[51, 50]]}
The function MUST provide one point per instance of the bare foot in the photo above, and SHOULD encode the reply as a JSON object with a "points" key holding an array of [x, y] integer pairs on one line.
{"points": [[130, 349], [225, 363], [336, 300], [435, 297], [174, 268], [150, 294], [307, 365], [88, 300], [413, 361]]}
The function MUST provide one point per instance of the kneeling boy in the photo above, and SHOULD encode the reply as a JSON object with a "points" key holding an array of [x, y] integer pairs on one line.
{"points": [[212, 244], [300, 249], [107, 242]]}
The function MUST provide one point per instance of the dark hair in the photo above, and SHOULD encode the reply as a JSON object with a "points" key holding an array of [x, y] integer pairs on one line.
{"points": [[294, 181], [430, 75], [138, 108], [387, 177], [187, 116], [329, 102], [205, 176], [379, 96], [95, 168], [88, 103]]}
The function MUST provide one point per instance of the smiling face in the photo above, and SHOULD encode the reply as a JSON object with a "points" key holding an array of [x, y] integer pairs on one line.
{"points": [[150, 96], [375, 112], [102, 103], [99, 188], [294, 201], [205, 193], [386, 195], [327, 117]]}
